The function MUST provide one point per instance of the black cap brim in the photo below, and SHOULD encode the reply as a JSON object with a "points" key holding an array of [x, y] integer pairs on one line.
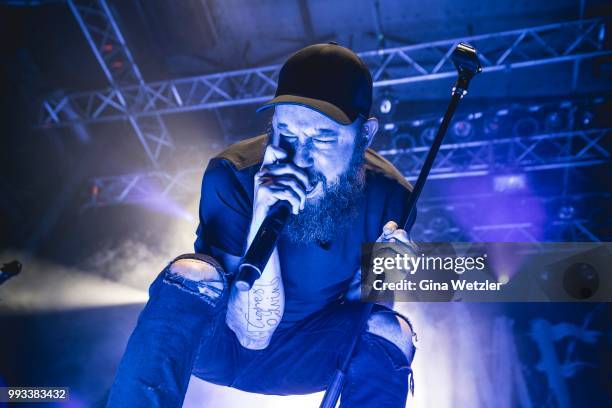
{"points": [[323, 107]]}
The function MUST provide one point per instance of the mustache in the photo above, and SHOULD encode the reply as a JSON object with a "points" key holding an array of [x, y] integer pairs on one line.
{"points": [[314, 177]]}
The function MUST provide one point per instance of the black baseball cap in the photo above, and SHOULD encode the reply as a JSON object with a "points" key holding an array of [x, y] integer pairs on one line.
{"points": [[328, 78]]}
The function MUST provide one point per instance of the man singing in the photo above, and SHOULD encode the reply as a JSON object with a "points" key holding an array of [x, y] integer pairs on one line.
{"points": [[289, 332]]}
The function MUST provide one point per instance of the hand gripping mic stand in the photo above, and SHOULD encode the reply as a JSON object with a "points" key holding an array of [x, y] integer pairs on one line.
{"points": [[466, 61]]}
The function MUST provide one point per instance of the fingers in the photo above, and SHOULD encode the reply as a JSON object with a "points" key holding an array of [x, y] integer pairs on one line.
{"points": [[273, 154], [280, 181], [392, 233], [286, 169], [270, 165], [283, 182], [389, 228], [400, 235], [281, 192], [295, 187]]}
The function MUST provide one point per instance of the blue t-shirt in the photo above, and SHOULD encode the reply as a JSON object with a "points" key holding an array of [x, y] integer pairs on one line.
{"points": [[314, 275]]}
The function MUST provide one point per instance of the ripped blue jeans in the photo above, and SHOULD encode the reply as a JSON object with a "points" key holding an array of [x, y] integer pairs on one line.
{"points": [[182, 331]]}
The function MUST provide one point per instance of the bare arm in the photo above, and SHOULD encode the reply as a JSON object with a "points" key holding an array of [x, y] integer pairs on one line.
{"points": [[254, 315]]}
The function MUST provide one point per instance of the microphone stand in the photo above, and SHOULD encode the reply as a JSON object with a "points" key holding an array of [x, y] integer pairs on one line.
{"points": [[466, 61]]}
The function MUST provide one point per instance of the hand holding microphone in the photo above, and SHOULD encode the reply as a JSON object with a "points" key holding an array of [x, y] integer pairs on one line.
{"points": [[279, 180], [280, 189]]}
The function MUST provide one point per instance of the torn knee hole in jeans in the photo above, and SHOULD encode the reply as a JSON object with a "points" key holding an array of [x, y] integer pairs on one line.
{"points": [[209, 290], [392, 326]]}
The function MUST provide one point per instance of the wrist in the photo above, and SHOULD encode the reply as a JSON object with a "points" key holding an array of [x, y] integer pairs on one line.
{"points": [[259, 215]]}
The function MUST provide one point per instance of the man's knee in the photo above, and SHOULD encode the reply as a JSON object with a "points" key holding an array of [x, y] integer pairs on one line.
{"points": [[395, 329], [195, 269], [197, 274]]}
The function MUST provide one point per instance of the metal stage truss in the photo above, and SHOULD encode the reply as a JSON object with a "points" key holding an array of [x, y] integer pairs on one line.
{"points": [[128, 91], [156, 186], [436, 219], [539, 152], [144, 187], [577, 230], [142, 104], [527, 47]]}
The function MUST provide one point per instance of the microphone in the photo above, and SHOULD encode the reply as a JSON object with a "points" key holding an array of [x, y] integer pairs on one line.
{"points": [[256, 258]]}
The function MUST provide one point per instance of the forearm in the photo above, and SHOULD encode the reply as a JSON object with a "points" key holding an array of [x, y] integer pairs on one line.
{"points": [[254, 315]]}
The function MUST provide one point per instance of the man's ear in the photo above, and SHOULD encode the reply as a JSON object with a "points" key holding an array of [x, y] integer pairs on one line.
{"points": [[370, 128]]}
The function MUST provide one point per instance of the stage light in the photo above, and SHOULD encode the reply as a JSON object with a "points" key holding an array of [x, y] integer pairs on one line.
{"points": [[491, 126], [502, 112], [586, 119], [428, 135], [386, 105], [390, 127], [534, 108], [525, 127], [554, 121], [567, 212], [581, 280], [439, 225], [508, 183], [463, 130], [52, 287], [403, 141]]}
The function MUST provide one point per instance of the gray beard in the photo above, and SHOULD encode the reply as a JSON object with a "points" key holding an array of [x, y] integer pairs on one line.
{"points": [[336, 209]]}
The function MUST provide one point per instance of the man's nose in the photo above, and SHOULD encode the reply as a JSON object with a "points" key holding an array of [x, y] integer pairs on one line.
{"points": [[303, 156]]}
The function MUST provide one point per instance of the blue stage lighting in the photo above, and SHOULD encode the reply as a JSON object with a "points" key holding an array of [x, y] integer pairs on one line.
{"points": [[386, 105], [509, 183]]}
